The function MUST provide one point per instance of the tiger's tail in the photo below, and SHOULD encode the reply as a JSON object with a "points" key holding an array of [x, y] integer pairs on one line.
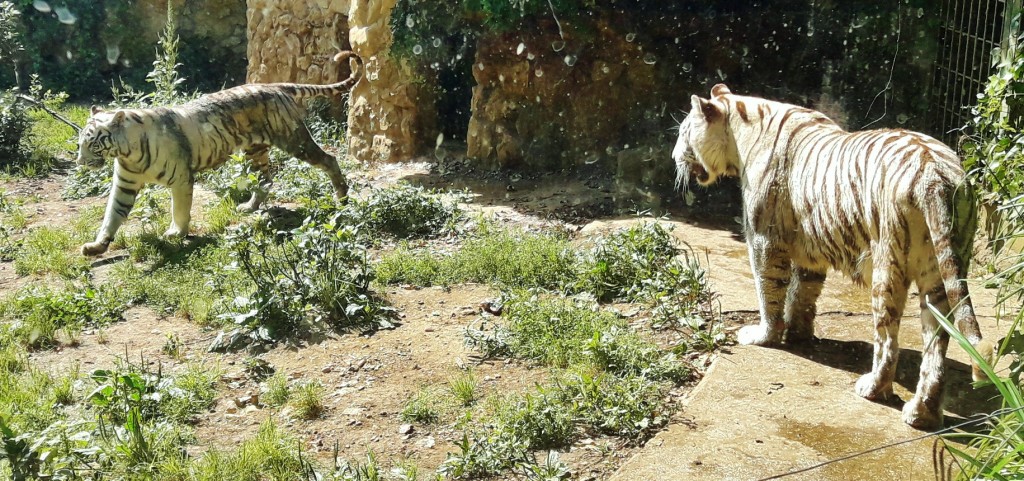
{"points": [[354, 77], [949, 212]]}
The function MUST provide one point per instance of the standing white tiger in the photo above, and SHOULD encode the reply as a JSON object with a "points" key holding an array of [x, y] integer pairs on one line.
{"points": [[885, 207], [167, 146]]}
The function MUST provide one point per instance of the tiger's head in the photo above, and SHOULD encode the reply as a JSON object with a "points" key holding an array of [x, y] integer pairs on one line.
{"points": [[97, 140], [704, 148]]}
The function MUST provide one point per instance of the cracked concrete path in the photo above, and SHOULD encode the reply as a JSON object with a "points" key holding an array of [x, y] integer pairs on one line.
{"points": [[760, 412]]}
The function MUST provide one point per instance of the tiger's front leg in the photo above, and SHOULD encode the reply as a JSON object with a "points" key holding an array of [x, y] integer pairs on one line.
{"points": [[770, 264], [123, 192], [181, 210]]}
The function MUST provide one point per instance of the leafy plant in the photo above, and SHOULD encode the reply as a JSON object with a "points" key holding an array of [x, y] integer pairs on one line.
{"points": [[405, 211], [424, 407], [15, 133], [37, 313], [319, 277]]}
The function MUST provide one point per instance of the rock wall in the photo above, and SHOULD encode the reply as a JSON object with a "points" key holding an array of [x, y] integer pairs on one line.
{"points": [[293, 41], [386, 116]]}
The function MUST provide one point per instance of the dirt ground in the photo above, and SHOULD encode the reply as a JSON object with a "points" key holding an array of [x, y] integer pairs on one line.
{"points": [[369, 378]]}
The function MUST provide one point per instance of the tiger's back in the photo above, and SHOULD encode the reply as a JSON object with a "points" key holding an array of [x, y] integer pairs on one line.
{"points": [[168, 145]]}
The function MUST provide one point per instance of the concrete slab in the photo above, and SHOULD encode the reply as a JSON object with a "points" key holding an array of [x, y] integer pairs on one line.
{"points": [[761, 412]]}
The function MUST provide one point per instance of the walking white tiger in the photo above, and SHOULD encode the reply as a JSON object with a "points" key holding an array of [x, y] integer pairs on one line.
{"points": [[885, 207], [167, 146]]}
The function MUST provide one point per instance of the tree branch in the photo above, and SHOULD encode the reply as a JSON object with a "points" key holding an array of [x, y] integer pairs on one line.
{"points": [[51, 112]]}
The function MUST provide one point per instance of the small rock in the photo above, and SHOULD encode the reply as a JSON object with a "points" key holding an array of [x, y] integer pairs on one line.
{"points": [[231, 410], [426, 443], [326, 369], [295, 375], [405, 429], [353, 411]]}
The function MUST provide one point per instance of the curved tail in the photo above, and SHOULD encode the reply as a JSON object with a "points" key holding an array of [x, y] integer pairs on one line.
{"points": [[950, 213], [355, 76]]}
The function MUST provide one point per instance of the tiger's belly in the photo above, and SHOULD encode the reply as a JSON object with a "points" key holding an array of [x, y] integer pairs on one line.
{"points": [[842, 247]]}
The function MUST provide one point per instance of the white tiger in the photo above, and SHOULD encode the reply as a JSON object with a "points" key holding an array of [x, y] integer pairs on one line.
{"points": [[885, 207], [167, 146]]}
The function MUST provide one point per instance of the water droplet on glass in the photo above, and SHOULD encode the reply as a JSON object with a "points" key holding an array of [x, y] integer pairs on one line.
{"points": [[480, 66], [902, 119], [721, 74], [410, 22], [630, 37], [437, 42], [592, 160], [650, 59], [558, 45], [920, 12], [41, 6], [501, 77], [440, 140], [539, 73], [65, 16], [69, 55], [113, 53], [687, 67], [570, 60], [417, 49], [529, 56], [521, 48], [605, 69]]}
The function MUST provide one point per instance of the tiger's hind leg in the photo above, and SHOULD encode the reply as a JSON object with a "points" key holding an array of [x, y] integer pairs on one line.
{"points": [[924, 410], [301, 145], [770, 265], [888, 296], [801, 303], [259, 156]]}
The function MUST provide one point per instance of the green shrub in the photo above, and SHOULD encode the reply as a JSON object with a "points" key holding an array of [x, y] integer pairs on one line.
{"points": [[405, 211], [15, 134], [317, 278], [621, 264]]}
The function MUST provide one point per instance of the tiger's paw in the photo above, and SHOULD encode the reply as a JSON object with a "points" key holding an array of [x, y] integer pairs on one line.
{"points": [[175, 233], [918, 415], [94, 248], [799, 336], [868, 388], [247, 207], [756, 336]]}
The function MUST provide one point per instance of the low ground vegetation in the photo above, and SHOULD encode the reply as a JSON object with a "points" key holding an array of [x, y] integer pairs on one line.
{"points": [[307, 267]]}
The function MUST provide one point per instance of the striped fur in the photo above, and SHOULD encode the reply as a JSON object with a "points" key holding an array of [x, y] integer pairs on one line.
{"points": [[885, 207], [167, 146]]}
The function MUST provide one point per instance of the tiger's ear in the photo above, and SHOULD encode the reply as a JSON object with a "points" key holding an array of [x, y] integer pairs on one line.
{"points": [[118, 118], [96, 109], [720, 89], [706, 109]]}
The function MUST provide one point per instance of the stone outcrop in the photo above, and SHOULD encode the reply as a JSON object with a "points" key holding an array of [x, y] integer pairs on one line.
{"points": [[546, 101], [293, 41], [385, 116]]}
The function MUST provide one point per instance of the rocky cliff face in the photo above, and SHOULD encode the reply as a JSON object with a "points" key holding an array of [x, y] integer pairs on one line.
{"points": [[293, 41]]}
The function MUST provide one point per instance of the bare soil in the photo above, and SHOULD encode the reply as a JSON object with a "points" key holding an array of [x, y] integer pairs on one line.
{"points": [[368, 378]]}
